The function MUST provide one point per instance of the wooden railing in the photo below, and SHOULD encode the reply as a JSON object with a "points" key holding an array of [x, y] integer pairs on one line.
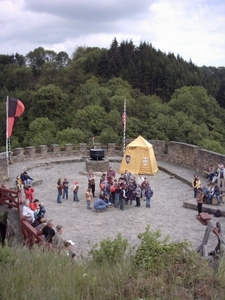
{"points": [[13, 199]]}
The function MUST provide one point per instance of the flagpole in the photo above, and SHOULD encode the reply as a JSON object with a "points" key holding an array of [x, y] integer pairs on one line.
{"points": [[124, 126], [7, 141]]}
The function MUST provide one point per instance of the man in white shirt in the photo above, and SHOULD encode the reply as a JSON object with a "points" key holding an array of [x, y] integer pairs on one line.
{"points": [[27, 212]]}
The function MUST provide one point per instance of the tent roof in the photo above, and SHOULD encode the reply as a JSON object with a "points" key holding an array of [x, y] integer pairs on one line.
{"points": [[140, 142]]}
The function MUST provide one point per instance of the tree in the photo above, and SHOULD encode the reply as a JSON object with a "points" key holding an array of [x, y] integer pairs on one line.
{"points": [[35, 59], [41, 132], [92, 118], [69, 136], [49, 101]]}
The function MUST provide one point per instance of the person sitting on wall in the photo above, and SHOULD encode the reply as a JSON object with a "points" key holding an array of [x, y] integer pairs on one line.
{"points": [[35, 207], [49, 232], [26, 179], [27, 212], [212, 172], [19, 183]]}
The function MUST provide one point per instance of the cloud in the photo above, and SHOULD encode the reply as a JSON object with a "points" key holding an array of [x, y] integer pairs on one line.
{"points": [[194, 29]]}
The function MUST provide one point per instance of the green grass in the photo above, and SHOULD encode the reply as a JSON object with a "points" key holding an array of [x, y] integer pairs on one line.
{"points": [[157, 270]]}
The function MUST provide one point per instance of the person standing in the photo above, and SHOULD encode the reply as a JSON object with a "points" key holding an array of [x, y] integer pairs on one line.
{"points": [[148, 196], [123, 197], [131, 192], [58, 240], [138, 195], [60, 190], [140, 180], [91, 182], [196, 183], [65, 188], [111, 174], [216, 193], [144, 186], [221, 178], [199, 198], [75, 191], [88, 198]]}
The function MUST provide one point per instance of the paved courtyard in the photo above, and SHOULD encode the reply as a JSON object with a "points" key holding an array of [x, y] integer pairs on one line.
{"points": [[85, 226]]}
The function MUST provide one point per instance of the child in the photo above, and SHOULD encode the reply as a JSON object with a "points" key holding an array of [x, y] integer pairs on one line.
{"points": [[65, 188], [75, 191], [148, 196], [88, 198], [19, 183]]}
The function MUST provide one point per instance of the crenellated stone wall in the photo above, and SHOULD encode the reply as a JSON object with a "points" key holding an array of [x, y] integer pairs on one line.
{"points": [[183, 154], [186, 155]]}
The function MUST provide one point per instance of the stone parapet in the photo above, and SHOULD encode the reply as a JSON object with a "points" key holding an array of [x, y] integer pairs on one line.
{"points": [[186, 155], [159, 149], [183, 154], [206, 157], [30, 152]]}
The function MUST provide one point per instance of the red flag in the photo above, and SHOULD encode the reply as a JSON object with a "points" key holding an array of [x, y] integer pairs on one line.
{"points": [[15, 110]]}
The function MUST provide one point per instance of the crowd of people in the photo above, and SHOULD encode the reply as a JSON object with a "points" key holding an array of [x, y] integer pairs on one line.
{"points": [[120, 192], [215, 186], [34, 212]]}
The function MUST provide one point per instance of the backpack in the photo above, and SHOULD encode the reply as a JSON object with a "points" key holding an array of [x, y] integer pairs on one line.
{"points": [[217, 213], [149, 193], [208, 210]]}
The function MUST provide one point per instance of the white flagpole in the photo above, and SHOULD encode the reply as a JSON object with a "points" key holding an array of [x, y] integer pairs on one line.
{"points": [[124, 126], [7, 141]]}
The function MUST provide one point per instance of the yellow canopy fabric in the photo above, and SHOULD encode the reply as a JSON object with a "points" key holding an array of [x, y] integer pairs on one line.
{"points": [[139, 158]]}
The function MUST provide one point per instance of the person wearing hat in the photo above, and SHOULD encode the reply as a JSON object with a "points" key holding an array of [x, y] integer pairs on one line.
{"points": [[58, 240], [68, 244], [75, 191]]}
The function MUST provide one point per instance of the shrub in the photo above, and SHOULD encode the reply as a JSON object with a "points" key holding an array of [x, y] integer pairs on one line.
{"points": [[154, 253], [112, 251]]}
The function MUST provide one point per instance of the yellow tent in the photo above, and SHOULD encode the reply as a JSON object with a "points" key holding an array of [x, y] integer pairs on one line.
{"points": [[139, 158]]}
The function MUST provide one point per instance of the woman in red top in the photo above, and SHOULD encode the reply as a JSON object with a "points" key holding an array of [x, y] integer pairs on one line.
{"points": [[29, 193]]}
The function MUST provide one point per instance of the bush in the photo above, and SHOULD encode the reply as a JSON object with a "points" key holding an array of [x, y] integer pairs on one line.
{"points": [[154, 253], [112, 251]]}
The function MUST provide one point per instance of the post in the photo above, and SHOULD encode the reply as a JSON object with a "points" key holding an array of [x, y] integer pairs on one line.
{"points": [[124, 126], [7, 140]]}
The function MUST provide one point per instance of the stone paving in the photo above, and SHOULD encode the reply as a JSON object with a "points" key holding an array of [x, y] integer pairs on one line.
{"points": [[85, 226]]}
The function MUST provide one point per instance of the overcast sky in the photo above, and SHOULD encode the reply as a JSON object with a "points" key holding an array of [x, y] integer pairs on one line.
{"points": [[194, 29]]}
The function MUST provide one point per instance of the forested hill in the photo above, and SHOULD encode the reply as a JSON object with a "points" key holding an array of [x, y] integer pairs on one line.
{"points": [[72, 99]]}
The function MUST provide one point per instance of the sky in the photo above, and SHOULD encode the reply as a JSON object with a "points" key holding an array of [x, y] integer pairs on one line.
{"points": [[194, 29]]}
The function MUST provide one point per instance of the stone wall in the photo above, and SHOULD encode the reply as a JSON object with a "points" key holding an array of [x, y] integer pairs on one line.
{"points": [[186, 155], [183, 154]]}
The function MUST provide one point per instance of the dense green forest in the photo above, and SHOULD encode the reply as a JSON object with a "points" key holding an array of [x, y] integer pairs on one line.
{"points": [[70, 100]]}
